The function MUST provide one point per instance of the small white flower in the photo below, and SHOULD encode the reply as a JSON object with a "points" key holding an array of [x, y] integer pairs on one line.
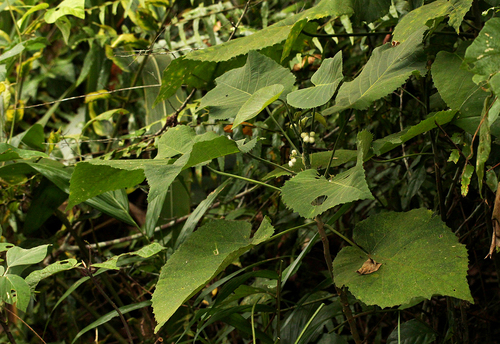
{"points": [[290, 163], [293, 160], [307, 138], [304, 135], [311, 140], [294, 152], [312, 134]]}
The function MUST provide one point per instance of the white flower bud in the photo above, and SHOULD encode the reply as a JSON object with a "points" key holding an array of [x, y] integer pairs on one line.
{"points": [[312, 134], [290, 163], [303, 135], [307, 138], [294, 152], [311, 140], [293, 160]]}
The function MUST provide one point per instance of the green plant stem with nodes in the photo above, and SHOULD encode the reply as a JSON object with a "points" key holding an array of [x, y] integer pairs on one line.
{"points": [[282, 131], [253, 181], [341, 131], [6, 329], [271, 163]]}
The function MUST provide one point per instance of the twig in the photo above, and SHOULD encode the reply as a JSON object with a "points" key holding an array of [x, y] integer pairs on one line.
{"points": [[239, 21], [21, 320], [6, 329], [120, 314], [172, 119], [253, 181], [348, 314]]}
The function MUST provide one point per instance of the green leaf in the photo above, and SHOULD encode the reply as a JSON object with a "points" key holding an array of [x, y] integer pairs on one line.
{"points": [[483, 55], [14, 51], [198, 213], [392, 141], [420, 257], [484, 147], [416, 19], [104, 178], [466, 177], [413, 332], [8, 152], [459, 9], [15, 291], [370, 10], [235, 87], [202, 256], [105, 116], [326, 80], [455, 84], [145, 252], [64, 26], [270, 35], [19, 256], [318, 161], [257, 103], [72, 7], [310, 194], [36, 276], [292, 37], [182, 71], [387, 69], [113, 314], [30, 11]]}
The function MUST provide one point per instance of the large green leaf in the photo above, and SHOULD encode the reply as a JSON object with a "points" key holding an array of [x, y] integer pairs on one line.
{"points": [[326, 80], [392, 141], [17, 256], [15, 291], [202, 256], [271, 35], [257, 103], [36, 276], [310, 194], [8, 152], [370, 10], [416, 19], [72, 7], [483, 55], [387, 69], [420, 257], [235, 87], [455, 84]]}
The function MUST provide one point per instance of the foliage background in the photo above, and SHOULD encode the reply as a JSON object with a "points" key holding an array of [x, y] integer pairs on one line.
{"points": [[117, 150]]}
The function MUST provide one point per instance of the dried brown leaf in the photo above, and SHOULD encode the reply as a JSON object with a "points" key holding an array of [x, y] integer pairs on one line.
{"points": [[369, 267]]}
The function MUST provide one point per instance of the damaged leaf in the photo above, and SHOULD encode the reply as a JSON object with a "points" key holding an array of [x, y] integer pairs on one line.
{"points": [[369, 267]]}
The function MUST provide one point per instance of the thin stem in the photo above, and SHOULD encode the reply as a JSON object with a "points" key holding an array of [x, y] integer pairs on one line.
{"points": [[253, 181], [326, 245], [309, 322], [6, 329], [278, 302], [348, 314], [115, 307], [399, 157], [345, 238], [28, 326], [172, 119], [239, 21], [335, 144], [253, 323], [271, 163], [289, 230], [282, 131]]}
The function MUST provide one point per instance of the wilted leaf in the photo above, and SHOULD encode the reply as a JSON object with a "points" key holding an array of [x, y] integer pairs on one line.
{"points": [[421, 257], [369, 267]]}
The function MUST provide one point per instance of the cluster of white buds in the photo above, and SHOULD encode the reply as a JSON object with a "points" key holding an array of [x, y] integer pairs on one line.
{"points": [[293, 158], [308, 137]]}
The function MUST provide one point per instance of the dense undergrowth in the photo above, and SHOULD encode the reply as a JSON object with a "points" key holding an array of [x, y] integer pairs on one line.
{"points": [[237, 172]]}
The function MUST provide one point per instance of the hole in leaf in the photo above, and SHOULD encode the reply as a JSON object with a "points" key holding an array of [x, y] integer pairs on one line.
{"points": [[319, 200]]}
